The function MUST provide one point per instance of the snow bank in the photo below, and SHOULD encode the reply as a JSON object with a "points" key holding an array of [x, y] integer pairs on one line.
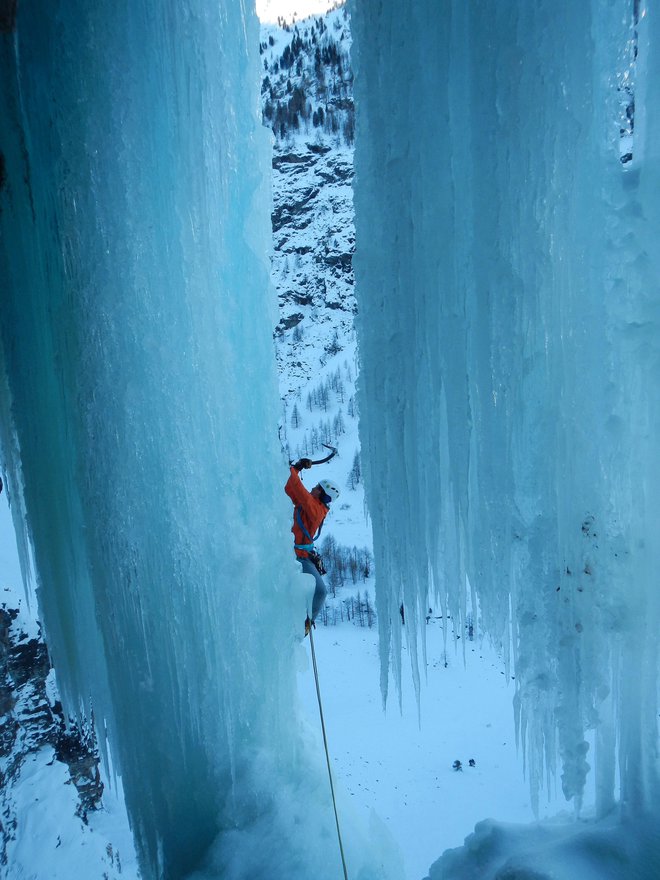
{"points": [[561, 850]]}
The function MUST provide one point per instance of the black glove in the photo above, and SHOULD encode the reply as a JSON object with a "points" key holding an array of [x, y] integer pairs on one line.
{"points": [[303, 463]]}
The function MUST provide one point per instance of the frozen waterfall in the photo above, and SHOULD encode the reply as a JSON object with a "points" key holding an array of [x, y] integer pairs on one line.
{"points": [[139, 421], [508, 273]]}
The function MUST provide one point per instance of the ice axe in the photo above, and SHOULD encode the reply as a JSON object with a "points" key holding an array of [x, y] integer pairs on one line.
{"points": [[327, 458]]}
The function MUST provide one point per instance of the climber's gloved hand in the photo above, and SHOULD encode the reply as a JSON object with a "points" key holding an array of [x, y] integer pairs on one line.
{"points": [[303, 463]]}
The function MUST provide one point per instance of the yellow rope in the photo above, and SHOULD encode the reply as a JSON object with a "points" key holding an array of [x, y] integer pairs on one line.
{"points": [[327, 754]]}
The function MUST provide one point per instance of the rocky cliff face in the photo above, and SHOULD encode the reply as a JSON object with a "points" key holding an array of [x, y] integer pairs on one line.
{"points": [[32, 719], [50, 781], [307, 100]]}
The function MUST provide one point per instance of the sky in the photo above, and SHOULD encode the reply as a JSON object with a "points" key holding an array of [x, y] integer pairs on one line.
{"points": [[269, 10]]}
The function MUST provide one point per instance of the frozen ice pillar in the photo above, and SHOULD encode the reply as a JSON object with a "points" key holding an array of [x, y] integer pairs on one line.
{"points": [[507, 276], [140, 401]]}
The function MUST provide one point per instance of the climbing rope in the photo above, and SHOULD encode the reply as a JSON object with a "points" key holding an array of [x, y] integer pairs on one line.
{"points": [[327, 754]]}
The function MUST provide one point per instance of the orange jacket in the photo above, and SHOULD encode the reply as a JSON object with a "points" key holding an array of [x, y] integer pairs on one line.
{"points": [[312, 511]]}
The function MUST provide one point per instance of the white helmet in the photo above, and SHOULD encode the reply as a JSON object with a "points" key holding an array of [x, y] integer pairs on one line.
{"points": [[330, 489]]}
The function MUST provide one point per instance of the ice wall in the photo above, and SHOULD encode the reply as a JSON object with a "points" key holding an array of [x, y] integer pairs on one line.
{"points": [[508, 290], [140, 410]]}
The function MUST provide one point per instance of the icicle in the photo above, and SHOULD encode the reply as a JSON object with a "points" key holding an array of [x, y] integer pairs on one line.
{"points": [[509, 343]]}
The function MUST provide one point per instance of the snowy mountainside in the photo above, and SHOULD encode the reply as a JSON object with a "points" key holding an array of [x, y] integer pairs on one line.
{"points": [[307, 101]]}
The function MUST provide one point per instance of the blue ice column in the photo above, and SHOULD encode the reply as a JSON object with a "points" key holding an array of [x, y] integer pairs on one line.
{"points": [[508, 333], [140, 389]]}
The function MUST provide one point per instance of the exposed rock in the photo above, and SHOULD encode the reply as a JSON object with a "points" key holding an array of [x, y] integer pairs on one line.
{"points": [[289, 322], [319, 149], [294, 211], [30, 721], [290, 159]]}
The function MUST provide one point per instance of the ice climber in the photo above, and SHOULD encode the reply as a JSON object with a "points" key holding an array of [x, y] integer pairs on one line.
{"points": [[310, 509]]}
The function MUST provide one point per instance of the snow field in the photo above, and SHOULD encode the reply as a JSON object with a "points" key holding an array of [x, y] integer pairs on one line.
{"points": [[399, 764]]}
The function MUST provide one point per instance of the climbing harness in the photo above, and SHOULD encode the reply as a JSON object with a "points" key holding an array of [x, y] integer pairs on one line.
{"points": [[298, 515], [327, 753], [312, 553]]}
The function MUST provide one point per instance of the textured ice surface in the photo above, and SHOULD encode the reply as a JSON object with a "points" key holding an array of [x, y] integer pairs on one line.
{"points": [[507, 285], [139, 411]]}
